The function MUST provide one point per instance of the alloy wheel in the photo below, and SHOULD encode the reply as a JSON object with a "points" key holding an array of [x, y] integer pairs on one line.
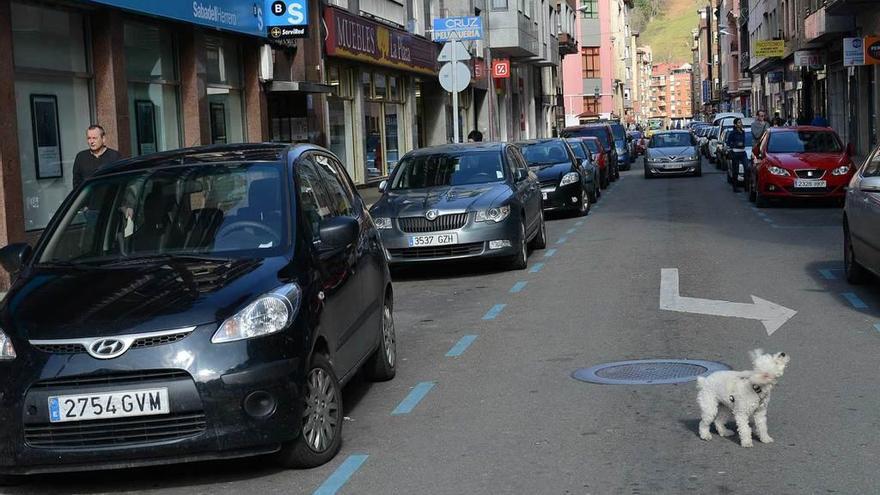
{"points": [[389, 338], [321, 414]]}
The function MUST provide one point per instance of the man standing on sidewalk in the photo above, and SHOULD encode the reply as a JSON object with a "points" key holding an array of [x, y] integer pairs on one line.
{"points": [[90, 160]]}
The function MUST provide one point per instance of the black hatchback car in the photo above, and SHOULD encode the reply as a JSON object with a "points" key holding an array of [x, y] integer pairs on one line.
{"points": [[563, 182], [198, 304]]}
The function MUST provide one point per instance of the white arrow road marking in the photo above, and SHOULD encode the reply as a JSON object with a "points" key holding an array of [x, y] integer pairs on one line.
{"points": [[772, 315]]}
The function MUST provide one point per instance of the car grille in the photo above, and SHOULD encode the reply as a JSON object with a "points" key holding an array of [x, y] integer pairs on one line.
{"points": [[115, 432], [112, 379], [441, 223], [438, 251], [810, 173], [158, 340], [549, 183], [148, 341], [61, 348]]}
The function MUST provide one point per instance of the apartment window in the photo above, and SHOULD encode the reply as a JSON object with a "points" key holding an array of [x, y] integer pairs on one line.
{"points": [[499, 4], [591, 65], [591, 105], [590, 9]]}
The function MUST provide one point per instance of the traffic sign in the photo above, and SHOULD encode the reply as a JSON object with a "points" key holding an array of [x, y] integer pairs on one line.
{"points": [[458, 28], [501, 68], [453, 51], [455, 77]]}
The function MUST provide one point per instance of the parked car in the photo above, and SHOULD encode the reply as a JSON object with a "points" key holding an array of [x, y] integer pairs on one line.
{"points": [[589, 169], [600, 157], [672, 153], [563, 187], [712, 145], [605, 135], [191, 305], [621, 145], [726, 118], [721, 149], [861, 218], [457, 201], [637, 147], [800, 162]]}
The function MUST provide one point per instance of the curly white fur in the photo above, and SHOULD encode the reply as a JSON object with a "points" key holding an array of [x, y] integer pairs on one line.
{"points": [[744, 394]]}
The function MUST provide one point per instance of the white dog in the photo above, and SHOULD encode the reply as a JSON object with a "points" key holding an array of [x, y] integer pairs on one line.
{"points": [[744, 394]]}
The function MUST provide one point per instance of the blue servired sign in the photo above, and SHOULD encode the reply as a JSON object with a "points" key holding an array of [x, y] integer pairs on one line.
{"points": [[233, 15], [287, 19], [458, 28]]}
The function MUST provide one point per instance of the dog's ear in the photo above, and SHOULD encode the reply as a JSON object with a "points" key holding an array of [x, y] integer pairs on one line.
{"points": [[755, 354]]}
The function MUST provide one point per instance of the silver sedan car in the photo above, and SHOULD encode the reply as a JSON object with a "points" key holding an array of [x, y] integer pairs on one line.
{"points": [[861, 222], [672, 153]]}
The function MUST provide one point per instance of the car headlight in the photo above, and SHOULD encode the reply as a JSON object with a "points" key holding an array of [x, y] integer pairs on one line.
{"points": [[493, 214], [7, 351], [777, 171], [269, 314], [840, 170], [569, 178], [382, 222]]}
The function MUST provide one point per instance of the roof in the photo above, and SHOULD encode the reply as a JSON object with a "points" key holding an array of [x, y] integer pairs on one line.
{"points": [[222, 153], [458, 148]]}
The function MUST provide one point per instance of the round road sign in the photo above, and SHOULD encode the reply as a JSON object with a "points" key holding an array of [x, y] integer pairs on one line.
{"points": [[462, 76]]}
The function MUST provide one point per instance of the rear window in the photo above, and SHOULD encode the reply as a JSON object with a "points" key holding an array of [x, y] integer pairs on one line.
{"points": [[618, 131], [599, 132], [804, 142], [592, 145], [578, 149], [544, 153]]}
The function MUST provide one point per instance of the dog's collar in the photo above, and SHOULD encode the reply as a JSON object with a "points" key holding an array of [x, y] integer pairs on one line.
{"points": [[756, 388]]}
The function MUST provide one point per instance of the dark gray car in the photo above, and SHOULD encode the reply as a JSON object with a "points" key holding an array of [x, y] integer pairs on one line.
{"points": [[861, 218], [461, 201], [672, 153]]}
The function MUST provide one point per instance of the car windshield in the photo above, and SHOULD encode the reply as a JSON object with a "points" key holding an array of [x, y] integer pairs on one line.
{"points": [[593, 145], [671, 140], [804, 142], [578, 149], [618, 131], [599, 132], [544, 153], [448, 169], [229, 211]]}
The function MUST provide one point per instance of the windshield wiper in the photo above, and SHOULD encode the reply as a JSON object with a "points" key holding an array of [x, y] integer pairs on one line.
{"points": [[152, 258]]}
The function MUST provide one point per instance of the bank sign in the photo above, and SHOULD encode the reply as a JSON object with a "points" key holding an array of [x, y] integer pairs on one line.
{"points": [[287, 19], [246, 17], [458, 28]]}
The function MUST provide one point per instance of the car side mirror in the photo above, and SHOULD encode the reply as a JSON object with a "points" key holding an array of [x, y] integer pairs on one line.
{"points": [[383, 186], [870, 184], [338, 233], [850, 149], [14, 256]]}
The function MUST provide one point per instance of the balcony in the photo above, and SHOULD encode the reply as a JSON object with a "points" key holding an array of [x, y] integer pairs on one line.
{"points": [[512, 34], [820, 26], [567, 44]]}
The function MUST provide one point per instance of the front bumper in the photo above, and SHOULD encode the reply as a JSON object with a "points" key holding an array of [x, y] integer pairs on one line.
{"points": [[207, 384], [567, 197], [784, 187], [688, 167], [473, 241]]}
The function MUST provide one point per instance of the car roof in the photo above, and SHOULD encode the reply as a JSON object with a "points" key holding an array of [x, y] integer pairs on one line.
{"points": [[809, 128], [458, 148], [539, 140], [672, 131], [588, 126], [213, 154]]}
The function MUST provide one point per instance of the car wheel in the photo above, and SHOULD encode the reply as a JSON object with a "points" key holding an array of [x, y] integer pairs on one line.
{"points": [[593, 194], [605, 180], [855, 273], [382, 365], [583, 206], [647, 173], [521, 259], [540, 240], [761, 201], [320, 435]]}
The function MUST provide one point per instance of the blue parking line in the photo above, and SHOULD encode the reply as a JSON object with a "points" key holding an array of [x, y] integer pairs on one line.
{"points": [[570, 231], [549, 253], [854, 300], [580, 222], [412, 400], [562, 240], [495, 311], [827, 275], [518, 287], [761, 213], [537, 268], [461, 346], [341, 475], [877, 327], [768, 220]]}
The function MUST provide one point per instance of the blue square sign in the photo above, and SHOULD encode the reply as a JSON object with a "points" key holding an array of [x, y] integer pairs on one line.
{"points": [[287, 19]]}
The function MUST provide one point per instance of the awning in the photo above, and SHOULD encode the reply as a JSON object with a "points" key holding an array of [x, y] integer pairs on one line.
{"points": [[299, 87]]}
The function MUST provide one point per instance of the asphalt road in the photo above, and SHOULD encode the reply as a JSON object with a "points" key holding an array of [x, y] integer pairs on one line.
{"points": [[504, 415]]}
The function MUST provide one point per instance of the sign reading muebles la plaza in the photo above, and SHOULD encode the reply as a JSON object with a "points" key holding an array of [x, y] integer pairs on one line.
{"points": [[356, 38]]}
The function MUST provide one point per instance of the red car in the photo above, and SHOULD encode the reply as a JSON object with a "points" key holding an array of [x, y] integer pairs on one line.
{"points": [[800, 162], [600, 156]]}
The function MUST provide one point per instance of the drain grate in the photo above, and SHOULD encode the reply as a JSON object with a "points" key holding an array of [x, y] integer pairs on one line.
{"points": [[648, 371]]}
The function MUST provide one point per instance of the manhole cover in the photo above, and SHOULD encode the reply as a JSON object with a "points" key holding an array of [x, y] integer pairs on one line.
{"points": [[648, 371]]}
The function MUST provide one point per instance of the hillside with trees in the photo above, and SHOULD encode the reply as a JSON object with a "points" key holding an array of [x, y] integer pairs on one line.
{"points": [[665, 26]]}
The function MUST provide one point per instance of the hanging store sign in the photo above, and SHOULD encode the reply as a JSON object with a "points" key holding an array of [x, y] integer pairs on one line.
{"points": [[357, 38], [458, 28], [769, 48], [809, 58], [501, 68], [853, 51], [230, 15], [287, 19], [872, 50]]}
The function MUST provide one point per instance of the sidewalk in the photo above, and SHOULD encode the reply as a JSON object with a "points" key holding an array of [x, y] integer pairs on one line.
{"points": [[370, 193]]}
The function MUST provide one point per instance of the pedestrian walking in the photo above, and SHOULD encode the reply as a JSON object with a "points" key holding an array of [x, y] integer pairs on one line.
{"points": [[736, 142], [760, 125], [88, 161]]}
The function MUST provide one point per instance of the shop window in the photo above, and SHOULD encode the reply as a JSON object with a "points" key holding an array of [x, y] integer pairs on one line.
{"points": [[224, 90], [153, 88], [53, 108], [379, 86], [393, 89], [367, 83], [339, 104]]}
